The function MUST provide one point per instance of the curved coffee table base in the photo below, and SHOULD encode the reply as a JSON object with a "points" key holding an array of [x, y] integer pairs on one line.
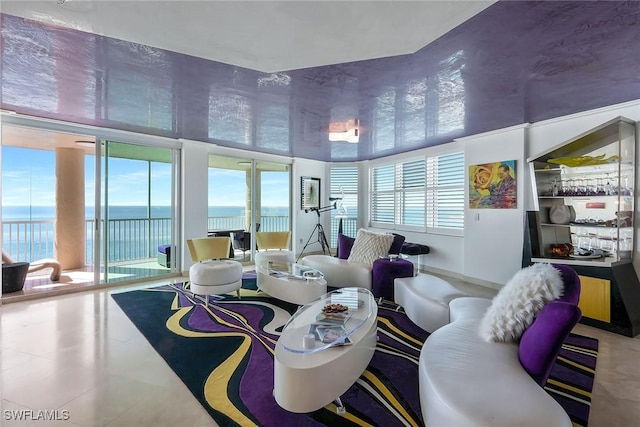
{"points": [[323, 376], [291, 290]]}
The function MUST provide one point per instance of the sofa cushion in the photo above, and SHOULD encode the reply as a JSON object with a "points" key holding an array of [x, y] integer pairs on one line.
{"points": [[519, 301], [542, 341], [345, 243], [340, 273], [370, 246]]}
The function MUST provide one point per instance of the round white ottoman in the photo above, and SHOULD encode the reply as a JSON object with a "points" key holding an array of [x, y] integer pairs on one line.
{"points": [[275, 256], [425, 299], [216, 277]]}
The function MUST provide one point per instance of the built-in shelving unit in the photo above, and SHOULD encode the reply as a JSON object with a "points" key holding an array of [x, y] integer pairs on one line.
{"points": [[584, 206]]}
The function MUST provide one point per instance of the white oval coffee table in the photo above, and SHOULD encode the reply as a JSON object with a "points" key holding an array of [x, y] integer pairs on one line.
{"points": [[290, 282], [309, 378]]}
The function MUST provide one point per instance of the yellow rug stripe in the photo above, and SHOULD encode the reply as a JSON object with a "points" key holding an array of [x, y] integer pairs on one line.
{"points": [[217, 384], [569, 347], [570, 388], [577, 365], [242, 320], [390, 397], [400, 332]]}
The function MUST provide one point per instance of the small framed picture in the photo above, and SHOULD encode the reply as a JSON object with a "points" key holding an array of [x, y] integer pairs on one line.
{"points": [[310, 192]]}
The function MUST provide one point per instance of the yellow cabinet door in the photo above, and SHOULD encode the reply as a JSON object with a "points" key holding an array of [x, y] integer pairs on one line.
{"points": [[595, 298]]}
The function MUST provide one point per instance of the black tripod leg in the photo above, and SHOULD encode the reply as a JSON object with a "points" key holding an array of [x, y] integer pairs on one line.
{"points": [[307, 244], [322, 238]]}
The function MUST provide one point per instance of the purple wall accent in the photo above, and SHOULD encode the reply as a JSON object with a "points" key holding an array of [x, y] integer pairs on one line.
{"points": [[513, 63]]}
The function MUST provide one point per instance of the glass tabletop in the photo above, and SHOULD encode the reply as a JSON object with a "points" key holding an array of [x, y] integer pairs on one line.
{"points": [[289, 270], [332, 320]]}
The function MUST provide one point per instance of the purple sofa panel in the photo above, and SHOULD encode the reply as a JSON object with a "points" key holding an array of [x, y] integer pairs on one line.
{"points": [[385, 272], [396, 246], [571, 293], [541, 342]]}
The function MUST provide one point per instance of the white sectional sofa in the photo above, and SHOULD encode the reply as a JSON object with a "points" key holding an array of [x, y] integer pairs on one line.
{"points": [[467, 381], [340, 272]]}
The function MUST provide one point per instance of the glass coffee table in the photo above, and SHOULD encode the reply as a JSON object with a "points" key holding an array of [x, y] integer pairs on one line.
{"points": [[317, 360], [290, 282]]}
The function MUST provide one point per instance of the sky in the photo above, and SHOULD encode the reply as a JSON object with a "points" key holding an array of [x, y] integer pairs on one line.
{"points": [[28, 178]]}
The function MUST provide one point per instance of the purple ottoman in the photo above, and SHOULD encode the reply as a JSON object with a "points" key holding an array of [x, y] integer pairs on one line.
{"points": [[164, 255], [385, 272]]}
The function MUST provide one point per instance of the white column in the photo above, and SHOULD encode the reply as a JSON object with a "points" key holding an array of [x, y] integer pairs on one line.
{"points": [[70, 237]]}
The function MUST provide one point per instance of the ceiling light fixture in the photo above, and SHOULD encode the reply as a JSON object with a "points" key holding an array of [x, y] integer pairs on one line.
{"points": [[348, 131]]}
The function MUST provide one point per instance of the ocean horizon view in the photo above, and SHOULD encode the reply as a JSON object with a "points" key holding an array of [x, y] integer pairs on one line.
{"points": [[45, 213], [134, 231]]}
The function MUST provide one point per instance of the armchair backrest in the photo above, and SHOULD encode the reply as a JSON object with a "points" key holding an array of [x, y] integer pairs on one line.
{"points": [[209, 248], [273, 239], [571, 280], [542, 340]]}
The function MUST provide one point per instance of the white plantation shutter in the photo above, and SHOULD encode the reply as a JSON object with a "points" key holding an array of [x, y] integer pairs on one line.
{"points": [[382, 197], [344, 183], [420, 192], [411, 193], [445, 191]]}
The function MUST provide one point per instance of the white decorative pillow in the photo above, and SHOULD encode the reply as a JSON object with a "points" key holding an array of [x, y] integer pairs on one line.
{"points": [[517, 304], [370, 246]]}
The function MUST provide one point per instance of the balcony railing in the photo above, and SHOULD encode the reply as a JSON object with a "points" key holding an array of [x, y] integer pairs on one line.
{"points": [[128, 239]]}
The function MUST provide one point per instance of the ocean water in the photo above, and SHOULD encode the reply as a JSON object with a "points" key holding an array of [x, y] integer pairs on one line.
{"points": [[134, 231], [44, 213]]}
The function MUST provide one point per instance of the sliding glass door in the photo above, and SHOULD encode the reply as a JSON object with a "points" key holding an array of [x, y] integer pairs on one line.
{"points": [[246, 196], [137, 211]]}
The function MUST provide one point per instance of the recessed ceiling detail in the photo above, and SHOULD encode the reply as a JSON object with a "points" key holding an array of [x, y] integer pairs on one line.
{"points": [[512, 63]]}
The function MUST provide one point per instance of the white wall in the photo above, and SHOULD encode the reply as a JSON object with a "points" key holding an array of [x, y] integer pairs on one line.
{"points": [[305, 222], [493, 238], [194, 204]]}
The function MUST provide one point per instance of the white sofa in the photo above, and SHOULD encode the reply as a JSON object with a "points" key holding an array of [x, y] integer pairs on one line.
{"points": [[467, 381], [340, 272]]}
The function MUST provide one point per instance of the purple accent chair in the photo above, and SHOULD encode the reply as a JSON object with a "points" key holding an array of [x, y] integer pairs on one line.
{"points": [[541, 342]]}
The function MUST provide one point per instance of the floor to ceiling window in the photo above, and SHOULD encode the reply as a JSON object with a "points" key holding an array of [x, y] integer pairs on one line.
{"points": [[246, 196], [137, 211], [48, 207]]}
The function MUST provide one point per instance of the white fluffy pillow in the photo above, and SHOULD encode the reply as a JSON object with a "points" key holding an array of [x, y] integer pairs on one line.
{"points": [[370, 246], [518, 303]]}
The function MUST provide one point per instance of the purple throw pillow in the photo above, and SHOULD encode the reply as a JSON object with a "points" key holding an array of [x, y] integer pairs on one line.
{"points": [[345, 243], [541, 342], [396, 246]]}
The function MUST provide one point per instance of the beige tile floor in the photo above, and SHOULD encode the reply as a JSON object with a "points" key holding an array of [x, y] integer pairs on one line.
{"points": [[80, 353]]}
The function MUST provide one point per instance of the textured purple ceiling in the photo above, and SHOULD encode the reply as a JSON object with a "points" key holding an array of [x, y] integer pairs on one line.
{"points": [[513, 63]]}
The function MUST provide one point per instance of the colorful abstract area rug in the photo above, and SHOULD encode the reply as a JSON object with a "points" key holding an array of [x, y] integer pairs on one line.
{"points": [[224, 354]]}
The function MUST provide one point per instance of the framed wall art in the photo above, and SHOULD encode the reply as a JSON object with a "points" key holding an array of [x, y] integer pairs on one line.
{"points": [[493, 185], [310, 192]]}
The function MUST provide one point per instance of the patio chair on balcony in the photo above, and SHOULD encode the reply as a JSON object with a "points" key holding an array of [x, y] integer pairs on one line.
{"points": [[41, 264], [242, 240]]}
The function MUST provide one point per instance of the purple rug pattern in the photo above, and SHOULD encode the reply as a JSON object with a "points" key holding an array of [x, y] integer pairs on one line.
{"points": [[234, 382]]}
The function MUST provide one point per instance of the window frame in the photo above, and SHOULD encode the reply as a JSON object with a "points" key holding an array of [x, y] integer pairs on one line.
{"points": [[399, 190]]}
